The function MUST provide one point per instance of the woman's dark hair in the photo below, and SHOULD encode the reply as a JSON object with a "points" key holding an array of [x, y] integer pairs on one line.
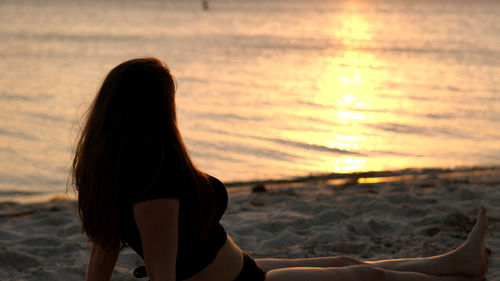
{"points": [[134, 107]]}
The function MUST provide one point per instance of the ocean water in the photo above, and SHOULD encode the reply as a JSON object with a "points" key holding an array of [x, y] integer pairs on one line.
{"points": [[266, 89]]}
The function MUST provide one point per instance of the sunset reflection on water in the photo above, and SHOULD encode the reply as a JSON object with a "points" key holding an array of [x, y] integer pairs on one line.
{"points": [[292, 88], [347, 85]]}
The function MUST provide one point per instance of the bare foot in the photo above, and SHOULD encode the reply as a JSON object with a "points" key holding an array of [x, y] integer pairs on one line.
{"points": [[472, 257]]}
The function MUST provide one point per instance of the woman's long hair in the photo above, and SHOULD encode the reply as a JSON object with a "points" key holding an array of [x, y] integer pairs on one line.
{"points": [[134, 106]]}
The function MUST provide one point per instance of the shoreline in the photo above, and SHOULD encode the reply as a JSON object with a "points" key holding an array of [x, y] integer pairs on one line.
{"points": [[331, 178], [371, 176], [420, 214]]}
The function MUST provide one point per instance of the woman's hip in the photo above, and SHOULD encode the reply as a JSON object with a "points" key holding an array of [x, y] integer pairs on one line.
{"points": [[250, 271]]}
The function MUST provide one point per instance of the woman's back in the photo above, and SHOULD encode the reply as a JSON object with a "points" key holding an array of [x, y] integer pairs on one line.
{"points": [[194, 253]]}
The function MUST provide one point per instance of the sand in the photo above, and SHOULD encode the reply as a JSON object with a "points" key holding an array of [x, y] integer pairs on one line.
{"points": [[410, 216]]}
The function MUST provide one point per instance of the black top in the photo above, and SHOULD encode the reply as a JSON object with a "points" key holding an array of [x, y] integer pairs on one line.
{"points": [[193, 255]]}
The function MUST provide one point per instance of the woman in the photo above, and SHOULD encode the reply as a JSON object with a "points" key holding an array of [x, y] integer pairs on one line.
{"points": [[137, 187]]}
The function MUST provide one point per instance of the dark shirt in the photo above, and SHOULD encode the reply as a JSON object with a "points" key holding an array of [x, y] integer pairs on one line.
{"points": [[193, 253]]}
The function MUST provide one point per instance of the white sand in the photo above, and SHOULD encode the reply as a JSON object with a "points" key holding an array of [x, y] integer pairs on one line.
{"points": [[412, 218]]}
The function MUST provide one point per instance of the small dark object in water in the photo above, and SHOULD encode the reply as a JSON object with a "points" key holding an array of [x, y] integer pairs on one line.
{"points": [[259, 188], [205, 5]]}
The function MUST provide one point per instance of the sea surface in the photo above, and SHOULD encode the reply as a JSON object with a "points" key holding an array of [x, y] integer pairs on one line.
{"points": [[266, 89]]}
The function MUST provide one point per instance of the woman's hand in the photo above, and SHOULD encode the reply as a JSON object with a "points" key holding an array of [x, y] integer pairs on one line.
{"points": [[158, 222], [101, 264]]}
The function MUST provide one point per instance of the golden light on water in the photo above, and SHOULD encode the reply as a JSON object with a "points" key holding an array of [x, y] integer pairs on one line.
{"points": [[347, 85], [372, 97], [354, 27], [345, 142], [290, 89]]}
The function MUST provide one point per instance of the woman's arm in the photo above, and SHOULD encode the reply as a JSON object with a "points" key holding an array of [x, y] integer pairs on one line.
{"points": [[158, 222], [101, 264]]}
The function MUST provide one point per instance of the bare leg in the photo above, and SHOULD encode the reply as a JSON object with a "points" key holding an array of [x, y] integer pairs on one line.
{"points": [[354, 273], [269, 264], [469, 259]]}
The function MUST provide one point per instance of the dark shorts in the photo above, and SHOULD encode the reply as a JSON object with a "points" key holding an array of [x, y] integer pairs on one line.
{"points": [[251, 271]]}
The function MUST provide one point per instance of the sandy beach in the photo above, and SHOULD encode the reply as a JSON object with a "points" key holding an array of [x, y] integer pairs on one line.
{"points": [[366, 218]]}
